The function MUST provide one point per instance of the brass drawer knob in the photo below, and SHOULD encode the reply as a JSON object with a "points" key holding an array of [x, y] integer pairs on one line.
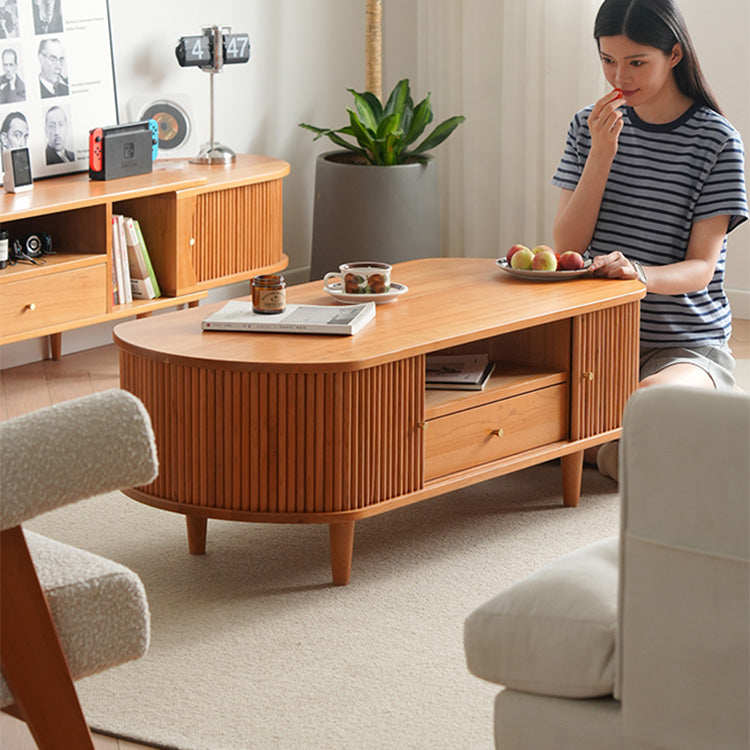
{"points": [[588, 375], [498, 432], [423, 425], [30, 307]]}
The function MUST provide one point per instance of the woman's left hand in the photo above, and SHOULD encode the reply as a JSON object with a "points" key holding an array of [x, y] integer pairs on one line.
{"points": [[613, 266]]}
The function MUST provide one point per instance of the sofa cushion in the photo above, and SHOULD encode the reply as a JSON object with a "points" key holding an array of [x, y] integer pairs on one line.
{"points": [[553, 632], [99, 607]]}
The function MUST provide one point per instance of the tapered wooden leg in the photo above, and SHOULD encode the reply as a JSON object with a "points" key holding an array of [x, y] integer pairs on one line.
{"points": [[341, 537], [31, 656], [196, 533], [572, 470]]}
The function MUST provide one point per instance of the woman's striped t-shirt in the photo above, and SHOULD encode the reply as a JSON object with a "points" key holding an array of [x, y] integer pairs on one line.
{"points": [[663, 179]]}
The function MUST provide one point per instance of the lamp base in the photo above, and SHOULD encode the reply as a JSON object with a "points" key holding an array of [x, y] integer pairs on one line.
{"points": [[214, 153]]}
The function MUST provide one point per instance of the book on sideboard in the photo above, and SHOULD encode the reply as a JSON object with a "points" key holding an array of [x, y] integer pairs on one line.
{"points": [[238, 315], [468, 372], [141, 284]]}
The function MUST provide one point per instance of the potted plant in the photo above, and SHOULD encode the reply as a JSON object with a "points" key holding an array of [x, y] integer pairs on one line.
{"points": [[377, 197]]}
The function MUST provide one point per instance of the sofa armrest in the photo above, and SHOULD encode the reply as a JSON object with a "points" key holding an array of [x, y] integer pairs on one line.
{"points": [[71, 451], [684, 600]]}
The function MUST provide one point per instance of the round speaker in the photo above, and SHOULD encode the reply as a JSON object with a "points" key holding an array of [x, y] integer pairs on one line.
{"points": [[172, 121]]}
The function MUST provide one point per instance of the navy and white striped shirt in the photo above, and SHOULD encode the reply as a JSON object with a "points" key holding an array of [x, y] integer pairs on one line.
{"points": [[663, 179]]}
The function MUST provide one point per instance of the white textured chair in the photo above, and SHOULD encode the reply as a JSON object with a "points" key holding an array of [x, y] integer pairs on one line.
{"points": [[641, 641], [66, 613]]}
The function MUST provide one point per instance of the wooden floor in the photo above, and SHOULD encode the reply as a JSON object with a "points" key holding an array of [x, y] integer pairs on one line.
{"points": [[29, 387]]}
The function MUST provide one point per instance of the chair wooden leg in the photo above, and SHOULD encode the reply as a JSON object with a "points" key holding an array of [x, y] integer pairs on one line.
{"points": [[31, 656]]}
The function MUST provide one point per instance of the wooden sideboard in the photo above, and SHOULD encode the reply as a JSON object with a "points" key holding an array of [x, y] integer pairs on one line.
{"points": [[204, 225], [295, 428]]}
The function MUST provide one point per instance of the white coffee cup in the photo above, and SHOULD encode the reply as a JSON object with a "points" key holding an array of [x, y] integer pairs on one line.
{"points": [[360, 277]]}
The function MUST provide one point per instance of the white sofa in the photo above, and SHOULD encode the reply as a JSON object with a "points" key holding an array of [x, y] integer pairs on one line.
{"points": [[641, 641]]}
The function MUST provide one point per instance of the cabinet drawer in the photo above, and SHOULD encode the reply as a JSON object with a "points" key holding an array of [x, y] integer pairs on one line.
{"points": [[468, 438], [56, 299]]}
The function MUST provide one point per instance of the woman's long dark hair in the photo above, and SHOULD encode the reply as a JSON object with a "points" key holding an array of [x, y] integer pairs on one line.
{"points": [[660, 24]]}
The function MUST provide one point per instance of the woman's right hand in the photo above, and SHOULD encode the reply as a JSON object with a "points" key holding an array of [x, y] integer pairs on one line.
{"points": [[605, 125]]}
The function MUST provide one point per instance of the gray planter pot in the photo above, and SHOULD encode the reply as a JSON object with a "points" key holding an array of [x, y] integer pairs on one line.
{"points": [[362, 212]]}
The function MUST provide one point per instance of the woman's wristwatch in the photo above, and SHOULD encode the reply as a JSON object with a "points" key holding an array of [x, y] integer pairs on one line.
{"points": [[639, 271]]}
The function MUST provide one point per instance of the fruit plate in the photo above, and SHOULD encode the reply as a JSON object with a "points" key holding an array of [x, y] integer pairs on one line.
{"points": [[503, 265], [382, 298]]}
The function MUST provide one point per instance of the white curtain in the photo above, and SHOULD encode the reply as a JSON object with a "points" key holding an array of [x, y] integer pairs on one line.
{"points": [[518, 70]]}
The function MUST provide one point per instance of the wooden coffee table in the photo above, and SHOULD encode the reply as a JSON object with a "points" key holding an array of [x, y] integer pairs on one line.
{"points": [[295, 428]]}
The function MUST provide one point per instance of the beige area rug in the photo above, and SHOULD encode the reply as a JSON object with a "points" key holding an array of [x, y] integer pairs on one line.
{"points": [[252, 647]]}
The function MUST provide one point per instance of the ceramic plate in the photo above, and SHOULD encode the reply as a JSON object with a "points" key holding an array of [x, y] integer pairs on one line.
{"points": [[340, 295], [503, 264]]}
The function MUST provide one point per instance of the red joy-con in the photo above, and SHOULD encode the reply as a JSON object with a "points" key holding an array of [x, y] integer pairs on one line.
{"points": [[95, 150]]}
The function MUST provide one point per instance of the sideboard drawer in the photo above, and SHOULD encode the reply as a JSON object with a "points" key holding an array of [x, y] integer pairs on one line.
{"points": [[492, 431], [58, 298]]}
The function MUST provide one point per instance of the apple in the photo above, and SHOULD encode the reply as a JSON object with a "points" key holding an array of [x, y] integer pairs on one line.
{"points": [[522, 259], [539, 248], [570, 260], [514, 250], [544, 260]]}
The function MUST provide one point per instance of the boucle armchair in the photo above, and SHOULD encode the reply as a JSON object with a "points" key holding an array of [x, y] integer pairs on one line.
{"points": [[641, 641], [66, 613]]}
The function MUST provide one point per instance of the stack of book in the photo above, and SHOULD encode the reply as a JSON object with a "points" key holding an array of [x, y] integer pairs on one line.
{"points": [[467, 372], [133, 275]]}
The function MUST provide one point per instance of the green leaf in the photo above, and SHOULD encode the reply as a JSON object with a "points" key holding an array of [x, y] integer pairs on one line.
{"points": [[365, 112], [398, 98], [389, 124], [439, 134], [422, 118], [363, 137], [373, 102]]}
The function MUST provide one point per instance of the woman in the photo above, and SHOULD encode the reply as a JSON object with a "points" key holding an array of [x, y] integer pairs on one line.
{"points": [[652, 182]]}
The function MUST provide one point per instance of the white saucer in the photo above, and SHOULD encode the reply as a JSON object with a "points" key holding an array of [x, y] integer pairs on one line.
{"points": [[383, 298]]}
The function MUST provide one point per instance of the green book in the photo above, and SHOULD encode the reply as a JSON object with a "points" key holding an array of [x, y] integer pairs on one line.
{"points": [[147, 258]]}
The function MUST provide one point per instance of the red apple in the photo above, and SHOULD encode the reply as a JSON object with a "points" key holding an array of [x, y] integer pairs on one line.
{"points": [[570, 260], [522, 259], [544, 260], [514, 250]]}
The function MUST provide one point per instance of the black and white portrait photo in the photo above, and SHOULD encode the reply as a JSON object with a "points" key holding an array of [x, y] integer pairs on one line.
{"points": [[12, 88], [14, 131], [57, 130], [47, 16], [53, 80], [9, 27]]}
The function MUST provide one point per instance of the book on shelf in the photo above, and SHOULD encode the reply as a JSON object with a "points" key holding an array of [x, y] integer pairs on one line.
{"points": [[468, 372], [238, 315], [120, 256], [118, 264], [141, 285], [147, 258]]}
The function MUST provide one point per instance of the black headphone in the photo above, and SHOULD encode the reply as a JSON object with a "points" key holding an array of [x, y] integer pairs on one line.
{"points": [[30, 248]]}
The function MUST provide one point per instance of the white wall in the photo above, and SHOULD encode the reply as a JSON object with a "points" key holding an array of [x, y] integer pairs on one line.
{"points": [[517, 69]]}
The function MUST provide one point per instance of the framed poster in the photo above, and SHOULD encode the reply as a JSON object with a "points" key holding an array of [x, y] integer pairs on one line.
{"points": [[57, 80]]}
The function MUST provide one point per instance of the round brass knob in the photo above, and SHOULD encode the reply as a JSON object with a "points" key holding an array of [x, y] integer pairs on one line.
{"points": [[588, 375], [498, 432], [30, 307]]}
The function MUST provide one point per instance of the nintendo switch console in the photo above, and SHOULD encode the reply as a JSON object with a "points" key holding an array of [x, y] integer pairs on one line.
{"points": [[123, 150]]}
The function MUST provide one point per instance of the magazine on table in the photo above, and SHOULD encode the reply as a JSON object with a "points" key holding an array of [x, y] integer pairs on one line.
{"points": [[238, 315], [458, 371]]}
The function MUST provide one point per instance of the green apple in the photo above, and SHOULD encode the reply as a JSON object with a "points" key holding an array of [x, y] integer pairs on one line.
{"points": [[522, 259], [545, 260], [513, 251]]}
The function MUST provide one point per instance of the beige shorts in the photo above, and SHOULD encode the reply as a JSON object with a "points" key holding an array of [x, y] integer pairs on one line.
{"points": [[717, 361]]}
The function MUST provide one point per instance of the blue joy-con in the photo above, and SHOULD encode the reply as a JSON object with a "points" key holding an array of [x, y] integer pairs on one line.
{"points": [[154, 128]]}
